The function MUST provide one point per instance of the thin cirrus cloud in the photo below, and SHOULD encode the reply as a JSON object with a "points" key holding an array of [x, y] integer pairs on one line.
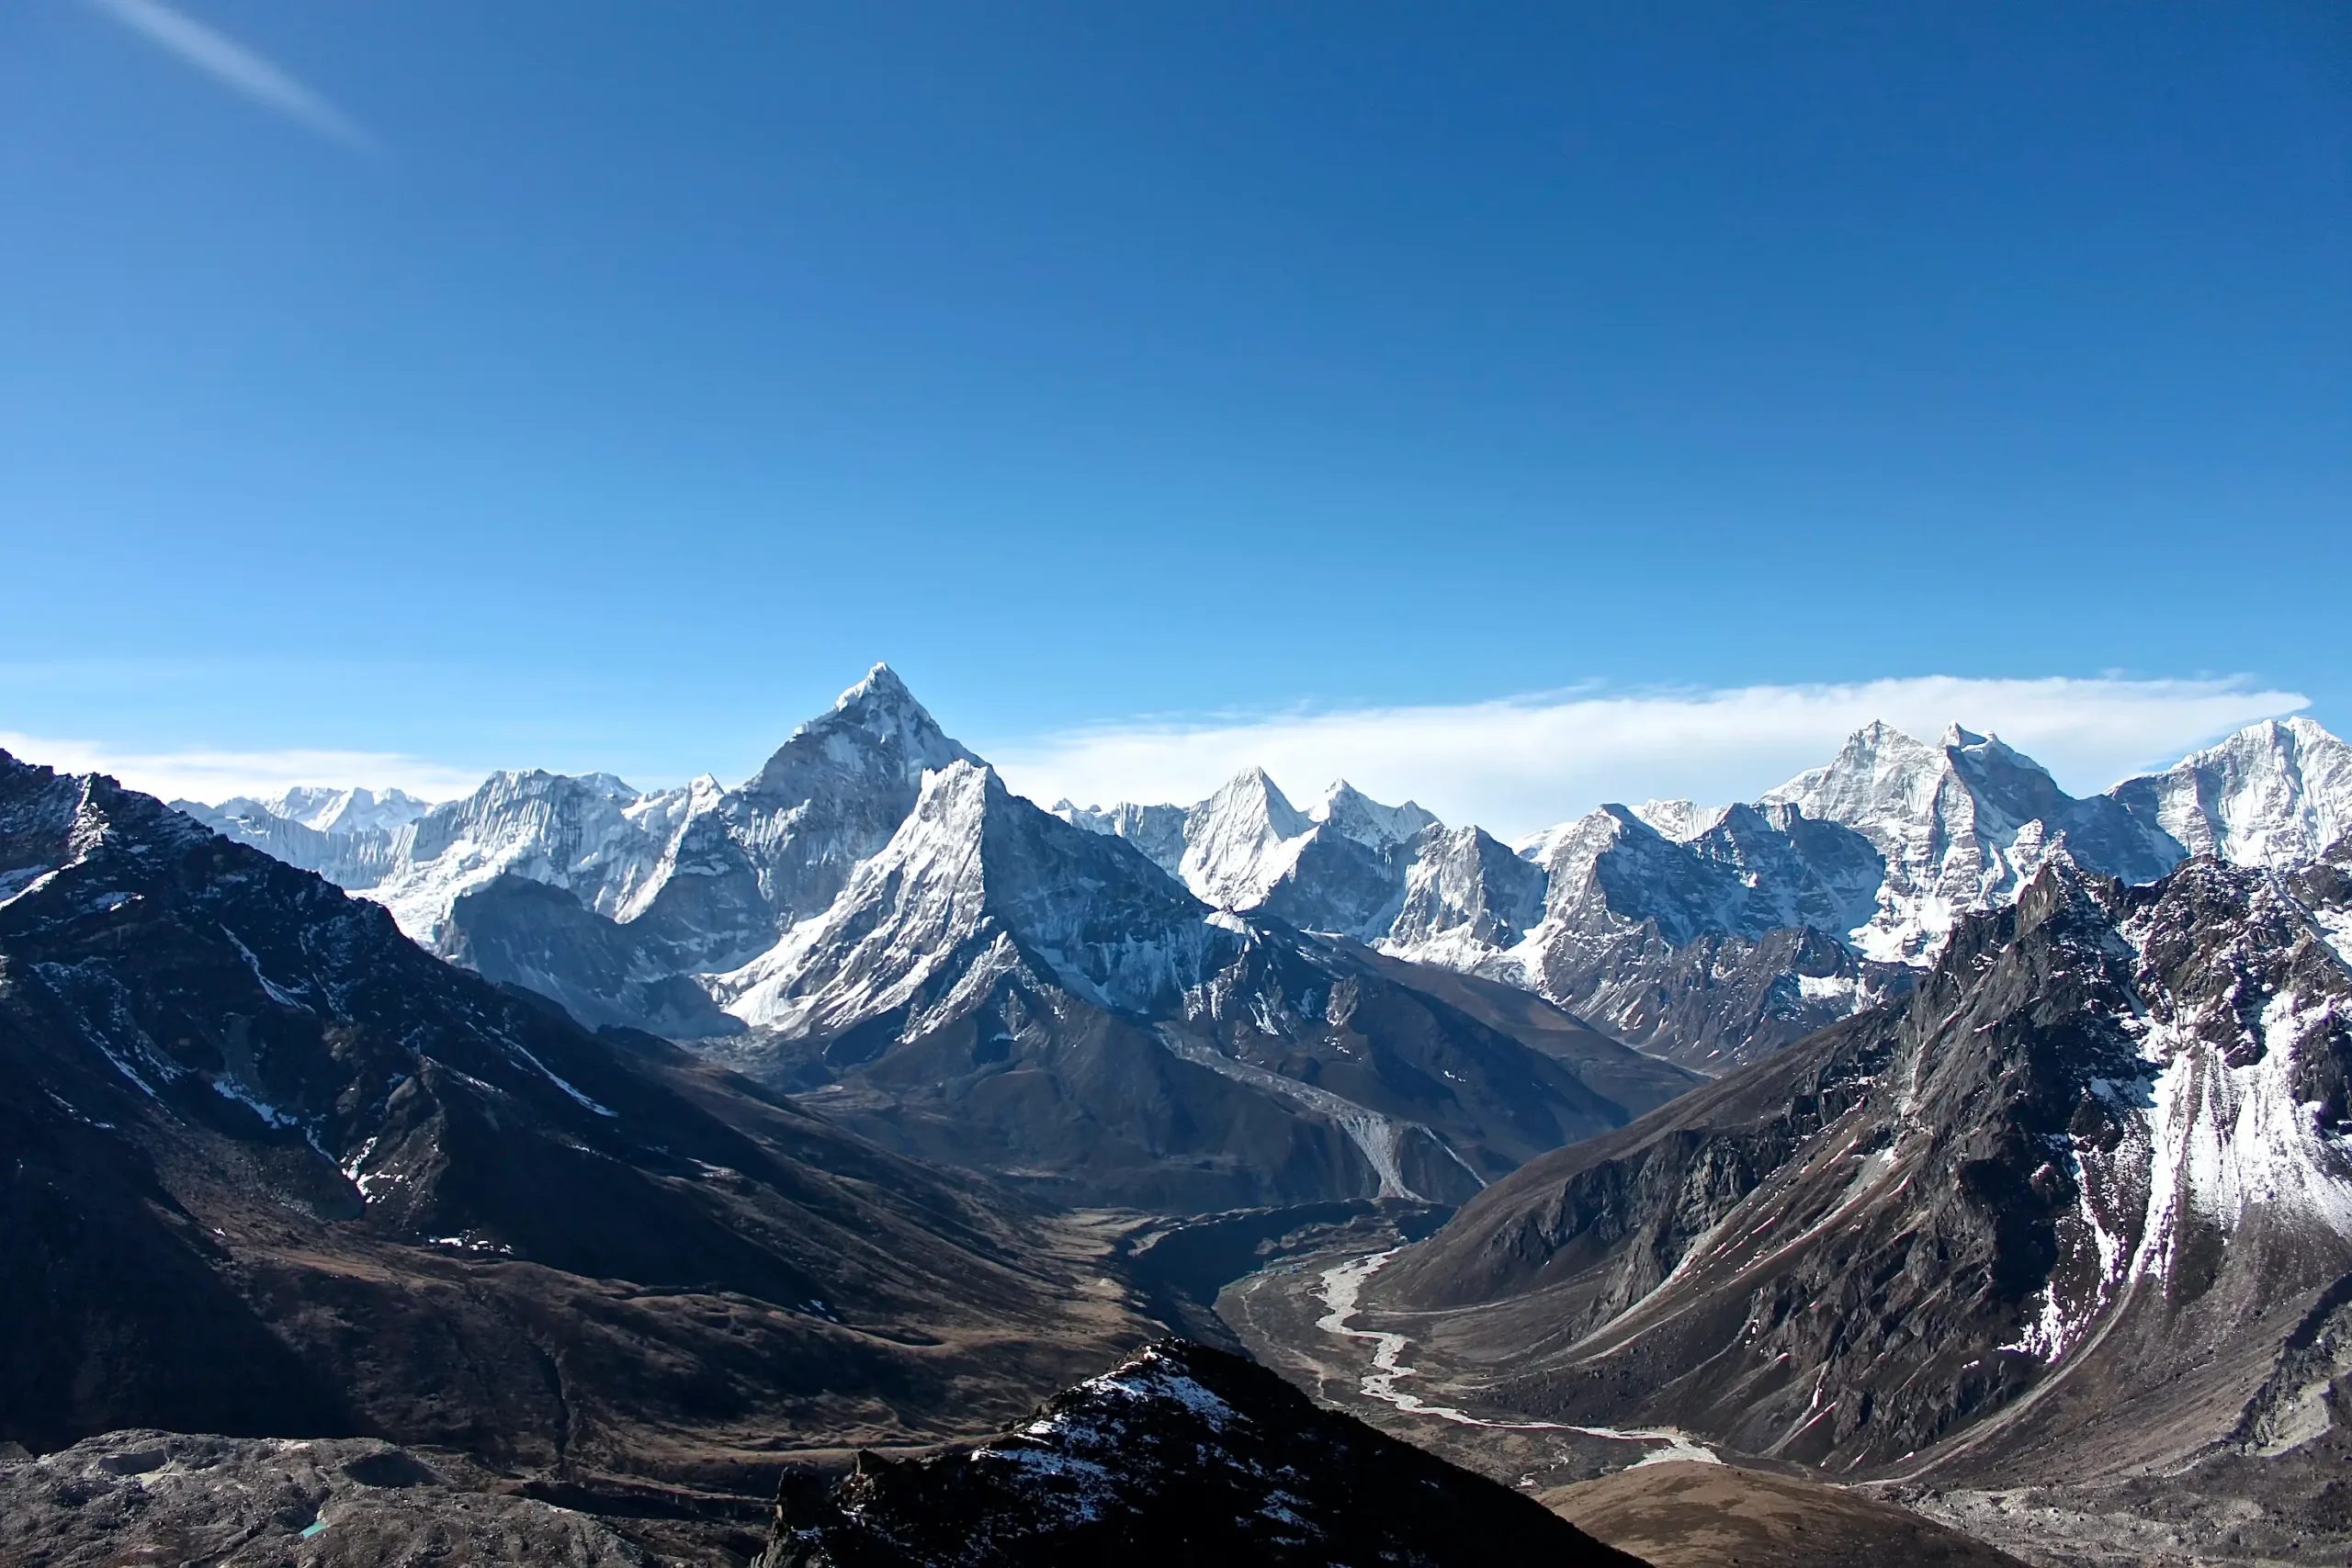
{"points": [[1520, 763], [214, 775], [238, 68]]}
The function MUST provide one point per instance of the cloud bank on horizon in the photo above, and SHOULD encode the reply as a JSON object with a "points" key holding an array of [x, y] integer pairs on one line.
{"points": [[1517, 764], [1511, 765], [216, 775]]}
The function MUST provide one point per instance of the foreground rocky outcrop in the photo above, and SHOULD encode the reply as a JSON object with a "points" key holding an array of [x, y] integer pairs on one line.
{"points": [[1180, 1454]]}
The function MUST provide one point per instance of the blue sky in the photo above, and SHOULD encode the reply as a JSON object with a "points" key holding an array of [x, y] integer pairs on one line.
{"points": [[599, 385]]}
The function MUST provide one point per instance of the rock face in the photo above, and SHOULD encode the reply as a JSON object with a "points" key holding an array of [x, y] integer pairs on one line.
{"points": [[280, 1172], [1180, 1455], [2083, 1201]]}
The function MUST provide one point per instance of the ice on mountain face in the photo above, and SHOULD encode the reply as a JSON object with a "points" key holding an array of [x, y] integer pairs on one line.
{"points": [[974, 879], [1346, 809], [345, 811], [1157, 830], [574, 833], [1961, 827], [1332, 867], [2275, 794], [877, 734], [1239, 840], [1682, 820], [1467, 897]]}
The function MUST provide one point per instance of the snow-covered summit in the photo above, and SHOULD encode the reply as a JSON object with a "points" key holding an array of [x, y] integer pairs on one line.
{"points": [[327, 809], [2275, 794], [1681, 821], [1347, 809], [876, 731], [1963, 826], [1239, 840], [1876, 854], [976, 884], [1236, 848]]}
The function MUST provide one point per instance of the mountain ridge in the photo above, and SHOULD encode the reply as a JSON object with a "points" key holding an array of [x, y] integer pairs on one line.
{"points": [[1708, 935]]}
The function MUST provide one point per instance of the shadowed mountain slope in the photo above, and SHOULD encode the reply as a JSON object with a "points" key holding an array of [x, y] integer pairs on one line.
{"points": [[278, 1171]]}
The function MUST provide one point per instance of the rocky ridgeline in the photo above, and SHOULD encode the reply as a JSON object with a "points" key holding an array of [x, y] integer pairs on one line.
{"points": [[1180, 1454]]}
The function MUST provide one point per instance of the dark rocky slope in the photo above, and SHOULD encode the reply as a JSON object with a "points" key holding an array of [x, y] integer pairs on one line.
{"points": [[2083, 1203], [1180, 1455], [272, 1169]]}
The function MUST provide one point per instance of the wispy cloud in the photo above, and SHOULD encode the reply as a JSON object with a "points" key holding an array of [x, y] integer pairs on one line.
{"points": [[1520, 763], [216, 775], [237, 68]]}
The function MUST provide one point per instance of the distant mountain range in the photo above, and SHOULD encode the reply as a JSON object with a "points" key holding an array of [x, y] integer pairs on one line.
{"points": [[1709, 936], [874, 921]]}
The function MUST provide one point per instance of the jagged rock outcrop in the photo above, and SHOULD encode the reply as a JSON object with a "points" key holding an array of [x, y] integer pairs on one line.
{"points": [[1180, 1454]]}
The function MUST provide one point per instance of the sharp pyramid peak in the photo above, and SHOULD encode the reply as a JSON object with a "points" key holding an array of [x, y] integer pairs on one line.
{"points": [[880, 684], [877, 723], [1250, 802], [1254, 780], [881, 694], [1955, 735]]}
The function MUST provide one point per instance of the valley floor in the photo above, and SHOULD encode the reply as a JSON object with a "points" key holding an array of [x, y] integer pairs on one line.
{"points": [[1297, 1316]]}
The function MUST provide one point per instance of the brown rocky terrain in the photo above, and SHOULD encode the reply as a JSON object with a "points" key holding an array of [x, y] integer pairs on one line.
{"points": [[1685, 1515]]}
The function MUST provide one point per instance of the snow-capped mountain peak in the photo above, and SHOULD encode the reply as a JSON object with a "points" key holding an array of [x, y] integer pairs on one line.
{"points": [[2275, 793], [1682, 820], [876, 731], [327, 809], [974, 883], [1347, 809], [1239, 840]]}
